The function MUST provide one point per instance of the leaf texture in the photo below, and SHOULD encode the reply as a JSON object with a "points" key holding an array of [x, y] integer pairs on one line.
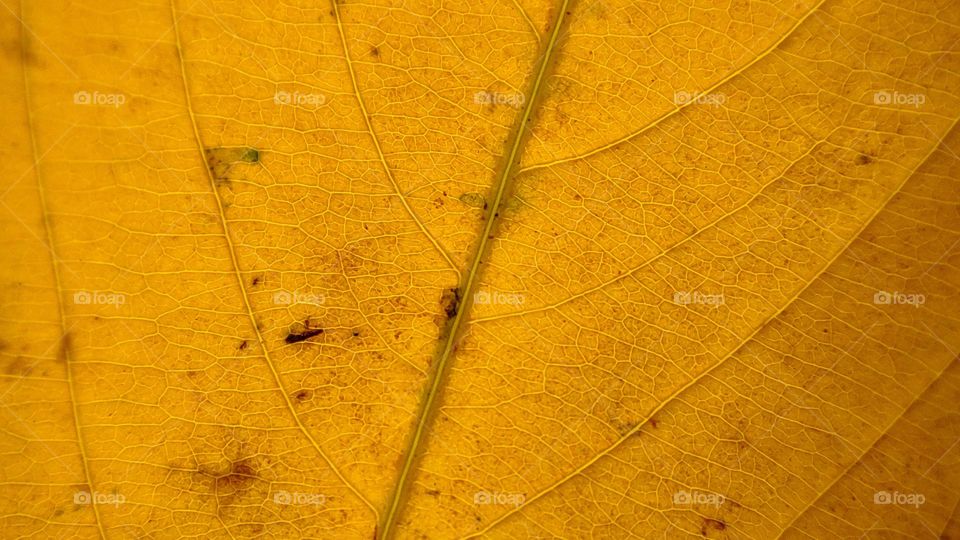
{"points": [[499, 269]]}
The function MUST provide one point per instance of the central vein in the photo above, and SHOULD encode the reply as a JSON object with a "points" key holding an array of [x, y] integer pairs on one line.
{"points": [[435, 383]]}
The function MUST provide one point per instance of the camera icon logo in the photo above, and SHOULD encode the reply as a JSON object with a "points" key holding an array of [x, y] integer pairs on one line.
{"points": [[282, 497], [282, 298], [82, 98], [281, 98], [82, 297], [82, 497], [882, 98], [882, 298]]}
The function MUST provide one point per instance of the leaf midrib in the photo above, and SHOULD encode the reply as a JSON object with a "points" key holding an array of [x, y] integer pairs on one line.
{"points": [[437, 380]]}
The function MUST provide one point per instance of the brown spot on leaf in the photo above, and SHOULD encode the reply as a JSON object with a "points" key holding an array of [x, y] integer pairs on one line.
{"points": [[20, 367], [712, 525], [303, 336], [240, 475], [65, 348], [450, 302]]}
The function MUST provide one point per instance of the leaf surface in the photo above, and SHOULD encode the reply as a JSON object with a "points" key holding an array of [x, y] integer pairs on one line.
{"points": [[498, 269]]}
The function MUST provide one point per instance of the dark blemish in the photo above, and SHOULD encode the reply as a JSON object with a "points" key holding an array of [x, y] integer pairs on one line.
{"points": [[433, 492], [450, 302], [714, 524], [240, 475], [220, 159], [355, 333], [58, 512], [19, 367], [864, 159], [303, 336], [66, 346], [243, 345], [256, 280], [375, 51], [654, 423], [303, 395], [473, 200]]}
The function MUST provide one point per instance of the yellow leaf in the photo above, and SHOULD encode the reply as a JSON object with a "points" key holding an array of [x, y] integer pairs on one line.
{"points": [[527, 269]]}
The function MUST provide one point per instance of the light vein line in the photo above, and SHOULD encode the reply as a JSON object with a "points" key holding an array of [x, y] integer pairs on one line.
{"points": [[376, 143], [669, 399], [239, 277], [435, 385], [657, 121], [64, 342]]}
